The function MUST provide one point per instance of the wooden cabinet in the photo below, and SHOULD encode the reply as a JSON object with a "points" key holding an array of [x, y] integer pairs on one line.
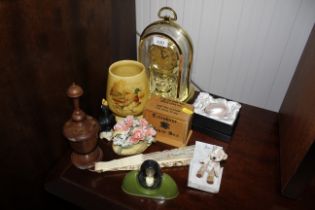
{"points": [[44, 47], [297, 125]]}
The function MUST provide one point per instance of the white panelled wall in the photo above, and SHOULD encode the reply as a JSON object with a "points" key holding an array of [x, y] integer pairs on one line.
{"points": [[245, 50]]}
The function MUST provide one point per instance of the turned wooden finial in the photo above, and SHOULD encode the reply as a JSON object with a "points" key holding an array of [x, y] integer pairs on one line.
{"points": [[82, 132], [75, 92]]}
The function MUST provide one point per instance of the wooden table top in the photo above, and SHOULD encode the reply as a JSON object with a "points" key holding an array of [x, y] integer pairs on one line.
{"points": [[251, 177]]}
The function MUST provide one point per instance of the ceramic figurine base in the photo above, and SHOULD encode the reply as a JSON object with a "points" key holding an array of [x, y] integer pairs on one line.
{"points": [[167, 190], [131, 150]]}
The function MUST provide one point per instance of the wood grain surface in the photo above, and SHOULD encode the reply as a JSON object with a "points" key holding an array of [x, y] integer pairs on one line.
{"points": [[44, 47], [251, 176]]}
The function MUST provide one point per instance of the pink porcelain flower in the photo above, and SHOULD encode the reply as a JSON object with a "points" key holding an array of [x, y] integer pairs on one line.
{"points": [[128, 121], [132, 130], [143, 123], [150, 132], [137, 135], [122, 127]]}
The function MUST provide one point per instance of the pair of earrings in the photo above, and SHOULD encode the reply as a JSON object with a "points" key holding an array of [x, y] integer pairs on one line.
{"points": [[203, 169]]}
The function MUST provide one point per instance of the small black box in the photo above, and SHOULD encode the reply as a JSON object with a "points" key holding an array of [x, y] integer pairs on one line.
{"points": [[218, 128]]}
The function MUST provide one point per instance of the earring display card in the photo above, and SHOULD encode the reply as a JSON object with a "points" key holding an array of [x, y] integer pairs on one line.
{"points": [[204, 173]]}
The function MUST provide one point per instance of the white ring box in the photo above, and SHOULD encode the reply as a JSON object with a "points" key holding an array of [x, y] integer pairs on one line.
{"points": [[216, 117]]}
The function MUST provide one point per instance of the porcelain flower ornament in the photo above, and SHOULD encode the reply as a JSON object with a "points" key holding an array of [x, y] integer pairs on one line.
{"points": [[131, 131]]}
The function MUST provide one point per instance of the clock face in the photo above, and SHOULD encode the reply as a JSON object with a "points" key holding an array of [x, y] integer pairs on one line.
{"points": [[163, 59]]}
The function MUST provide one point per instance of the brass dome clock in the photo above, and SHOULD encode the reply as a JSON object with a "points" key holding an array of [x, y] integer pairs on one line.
{"points": [[166, 51]]}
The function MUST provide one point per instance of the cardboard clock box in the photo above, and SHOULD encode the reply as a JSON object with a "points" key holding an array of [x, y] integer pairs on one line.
{"points": [[221, 119], [171, 119]]}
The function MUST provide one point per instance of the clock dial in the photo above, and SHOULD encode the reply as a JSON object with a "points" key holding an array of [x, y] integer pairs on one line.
{"points": [[163, 59]]}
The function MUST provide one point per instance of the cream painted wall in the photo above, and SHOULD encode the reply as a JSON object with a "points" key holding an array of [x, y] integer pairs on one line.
{"points": [[245, 50]]}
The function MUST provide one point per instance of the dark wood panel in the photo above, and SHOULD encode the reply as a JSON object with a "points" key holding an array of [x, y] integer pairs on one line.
{"points": [[297, 124], [44, 47]]}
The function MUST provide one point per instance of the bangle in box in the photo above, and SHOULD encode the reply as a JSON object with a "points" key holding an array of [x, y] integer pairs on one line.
{"points": [[216, 117]]}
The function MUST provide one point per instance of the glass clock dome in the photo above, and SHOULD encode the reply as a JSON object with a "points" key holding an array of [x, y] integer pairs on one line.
{"points": [[166, 51]]}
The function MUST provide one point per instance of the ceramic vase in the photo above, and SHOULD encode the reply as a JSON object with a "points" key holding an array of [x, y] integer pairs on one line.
{"points": [[127, 88]]}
